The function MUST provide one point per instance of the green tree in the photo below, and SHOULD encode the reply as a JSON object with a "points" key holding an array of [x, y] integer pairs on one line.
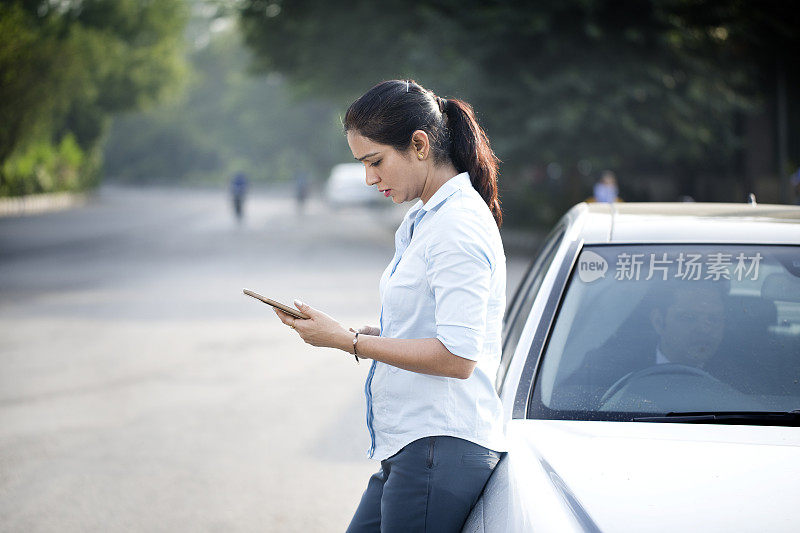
{"points": [[226, 121], [632, 84], [66, 66]]}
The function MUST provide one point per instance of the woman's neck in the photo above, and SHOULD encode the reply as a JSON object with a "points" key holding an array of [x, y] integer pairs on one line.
{"points": [[438, 176]]}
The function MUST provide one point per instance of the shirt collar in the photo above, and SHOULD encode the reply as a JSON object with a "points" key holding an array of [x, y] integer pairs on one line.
{"points": [[456, 183]]}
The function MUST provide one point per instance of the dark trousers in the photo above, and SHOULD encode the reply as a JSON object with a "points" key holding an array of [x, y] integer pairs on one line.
{"points": [[429, 485]]}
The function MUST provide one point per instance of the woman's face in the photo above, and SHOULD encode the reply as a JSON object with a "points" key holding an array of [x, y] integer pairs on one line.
{"points": [[398, 174]]}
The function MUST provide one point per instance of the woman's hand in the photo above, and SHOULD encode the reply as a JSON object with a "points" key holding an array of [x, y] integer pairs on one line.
{"points": [[319, 330], [368, 330]]}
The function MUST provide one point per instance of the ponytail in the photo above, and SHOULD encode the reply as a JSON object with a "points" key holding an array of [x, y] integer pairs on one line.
{"points": [[392, 111], [471, 152]]}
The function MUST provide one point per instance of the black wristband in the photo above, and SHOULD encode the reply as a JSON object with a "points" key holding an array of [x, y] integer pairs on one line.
{"points": [[355, 342]]}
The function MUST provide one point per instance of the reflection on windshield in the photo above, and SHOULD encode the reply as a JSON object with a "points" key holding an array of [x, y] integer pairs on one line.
{"points": [[658, 329]]}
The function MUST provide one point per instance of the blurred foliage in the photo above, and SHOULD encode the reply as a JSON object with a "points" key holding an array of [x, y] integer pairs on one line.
{"points": [[564, 88], [42, 166], [65, 66], [635, 85], [226, 121]]}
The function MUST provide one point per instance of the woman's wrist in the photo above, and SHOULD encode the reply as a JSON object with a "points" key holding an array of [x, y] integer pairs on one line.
{"points": [[357, 348], [344, 342]]}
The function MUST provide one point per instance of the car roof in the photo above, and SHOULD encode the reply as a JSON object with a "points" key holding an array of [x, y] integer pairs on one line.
{"points": [[689, 222]]}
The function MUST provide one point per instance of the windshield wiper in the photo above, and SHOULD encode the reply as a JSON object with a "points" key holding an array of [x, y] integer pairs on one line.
{"points": [[750, 418]]}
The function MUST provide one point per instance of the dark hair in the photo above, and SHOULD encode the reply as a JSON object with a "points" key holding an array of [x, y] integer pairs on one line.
{"points": [[392, 111]]}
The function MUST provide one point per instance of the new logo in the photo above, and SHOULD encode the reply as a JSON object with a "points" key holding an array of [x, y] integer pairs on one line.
{"points": [[591, 266]]}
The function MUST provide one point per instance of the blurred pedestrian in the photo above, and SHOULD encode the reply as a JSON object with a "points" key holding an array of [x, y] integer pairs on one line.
{"points": [[605, 190], [238, 187], [794, 179], [434, 418], [301, 187]]}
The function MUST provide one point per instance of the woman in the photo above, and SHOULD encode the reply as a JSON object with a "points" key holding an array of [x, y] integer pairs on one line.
{"points": [[434, 418]]}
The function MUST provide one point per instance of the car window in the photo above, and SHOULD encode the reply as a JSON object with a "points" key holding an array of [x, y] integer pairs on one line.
{"points": [[523, 299], [674, 328]]}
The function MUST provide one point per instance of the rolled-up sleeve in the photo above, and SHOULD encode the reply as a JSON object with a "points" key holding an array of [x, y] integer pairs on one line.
{"points": [[459, 272]]}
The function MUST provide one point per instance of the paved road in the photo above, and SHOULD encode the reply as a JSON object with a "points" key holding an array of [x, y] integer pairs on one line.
{"points": [[141, 391]]}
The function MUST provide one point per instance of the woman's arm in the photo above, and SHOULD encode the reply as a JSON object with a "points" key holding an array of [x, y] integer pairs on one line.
{"points": [[425, 356]]}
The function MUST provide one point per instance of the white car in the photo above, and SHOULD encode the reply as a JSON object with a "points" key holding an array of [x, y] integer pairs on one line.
{"points": [[650, 374], [347, 186]]}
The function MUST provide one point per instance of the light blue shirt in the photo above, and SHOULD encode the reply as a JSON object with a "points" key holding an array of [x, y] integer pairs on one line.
{"points": [[447, 280]]}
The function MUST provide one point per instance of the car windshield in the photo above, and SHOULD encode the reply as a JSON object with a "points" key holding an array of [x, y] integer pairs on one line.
{"points": [[660, 329]]}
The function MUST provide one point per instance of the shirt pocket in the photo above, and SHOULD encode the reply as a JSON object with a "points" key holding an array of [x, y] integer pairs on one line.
{"points": [[404, 302], [406, 297], [410, 269]]}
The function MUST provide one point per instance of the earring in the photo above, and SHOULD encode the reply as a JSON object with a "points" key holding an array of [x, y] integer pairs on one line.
{"points": [[421, 155]]}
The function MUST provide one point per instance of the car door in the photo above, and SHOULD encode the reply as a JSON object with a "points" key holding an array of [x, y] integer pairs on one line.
{"points": [[520, 306]]}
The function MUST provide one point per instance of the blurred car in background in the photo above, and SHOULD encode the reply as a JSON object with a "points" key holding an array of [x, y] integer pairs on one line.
{"points": [[347, 187], [650, 374]]}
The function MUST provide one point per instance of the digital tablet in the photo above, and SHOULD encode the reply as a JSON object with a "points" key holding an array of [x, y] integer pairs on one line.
{"points": [[285, 308]]}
